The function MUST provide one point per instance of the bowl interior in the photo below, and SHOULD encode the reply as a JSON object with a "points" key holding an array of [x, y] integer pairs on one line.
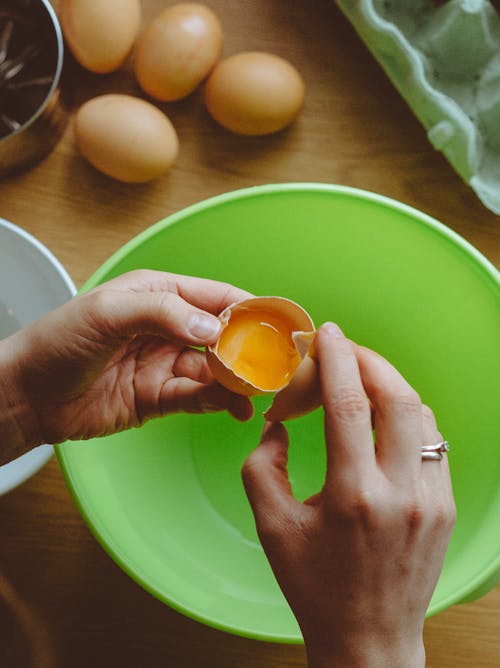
{"points": [[32, 282], [166, 500]]}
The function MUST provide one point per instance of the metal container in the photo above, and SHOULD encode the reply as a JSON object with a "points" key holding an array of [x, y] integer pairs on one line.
{"points": [[33, 114]]}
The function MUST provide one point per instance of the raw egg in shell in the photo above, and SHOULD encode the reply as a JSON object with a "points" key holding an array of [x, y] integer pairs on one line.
{"points": [[264, 348]]}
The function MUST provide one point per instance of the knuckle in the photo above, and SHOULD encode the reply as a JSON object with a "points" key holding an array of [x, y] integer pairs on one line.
{"points": [[364, 508], [165, 303], [163, 306], [228, 295], [136, 275], [404, 398], [411, 399], [445, 516], [170, 399], [440, 517], [350, 403], [358, 507], [428, 414], [140, 275], [140, 280], [407, 402], [98, 308], [191, 363], [228, 289], [414, 514], [97, 301]]}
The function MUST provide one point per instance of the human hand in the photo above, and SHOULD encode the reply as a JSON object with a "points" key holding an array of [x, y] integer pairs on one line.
{"points": [[359, 561], [114, 357]]}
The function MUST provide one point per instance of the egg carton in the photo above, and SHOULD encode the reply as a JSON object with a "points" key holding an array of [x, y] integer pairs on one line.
{"points": [[444, 59]]}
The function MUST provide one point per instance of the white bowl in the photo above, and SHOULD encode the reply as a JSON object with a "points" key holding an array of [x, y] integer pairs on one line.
{"points": [[32, 282]]}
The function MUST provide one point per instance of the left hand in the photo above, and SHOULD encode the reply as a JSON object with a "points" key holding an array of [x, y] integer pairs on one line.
{"points": [[114, 357]]}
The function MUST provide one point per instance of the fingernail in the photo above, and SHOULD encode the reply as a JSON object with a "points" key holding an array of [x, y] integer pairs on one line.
{"points": [[205, 327], [333, 330]]}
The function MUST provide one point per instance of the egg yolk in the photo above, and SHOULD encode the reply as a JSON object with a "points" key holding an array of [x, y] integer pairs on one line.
{"points": [[258, 347]]}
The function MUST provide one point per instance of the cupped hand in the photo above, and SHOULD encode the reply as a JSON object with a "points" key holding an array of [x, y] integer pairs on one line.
{"points": [[116, 356], [359, 561]]}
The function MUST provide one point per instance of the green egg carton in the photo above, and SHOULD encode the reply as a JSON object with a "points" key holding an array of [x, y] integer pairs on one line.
{"points": [[444, 59]]}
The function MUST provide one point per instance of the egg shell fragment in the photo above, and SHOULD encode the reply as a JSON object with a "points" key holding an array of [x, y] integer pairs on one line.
{"points": [[289, 310], [100, 33], [125, 137], [254, 93], [177, 50]]}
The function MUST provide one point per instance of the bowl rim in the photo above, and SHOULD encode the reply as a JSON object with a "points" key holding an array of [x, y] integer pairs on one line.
{"points": [[100, 531], [272, 188], [37, 458]]}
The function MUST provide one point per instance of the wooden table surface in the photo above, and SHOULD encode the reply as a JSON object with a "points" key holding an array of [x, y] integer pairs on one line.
{"points": [[76, 607]]}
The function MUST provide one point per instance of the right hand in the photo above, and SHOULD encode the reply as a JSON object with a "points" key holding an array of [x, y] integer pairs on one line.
{"points": [[359, 561]]}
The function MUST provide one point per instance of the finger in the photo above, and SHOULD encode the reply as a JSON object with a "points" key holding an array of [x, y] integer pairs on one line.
{"points": [[430, 430], [212, 296], [209, 295], [398, 415], [122, 314], [438, 493], [436, 473], [265, 477], [348, 431], [193, 364], [430, 436], [183, 395], [168, 382]]}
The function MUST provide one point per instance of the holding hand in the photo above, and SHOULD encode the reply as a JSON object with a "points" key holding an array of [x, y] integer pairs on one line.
{"points": [[113, 358], [359, 561]]}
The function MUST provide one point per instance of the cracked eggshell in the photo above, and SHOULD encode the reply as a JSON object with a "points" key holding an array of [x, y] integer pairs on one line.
{"points": [[301, 393]]}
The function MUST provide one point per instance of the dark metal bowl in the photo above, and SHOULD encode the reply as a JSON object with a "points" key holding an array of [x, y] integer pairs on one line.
{"points": [[33, 114]]}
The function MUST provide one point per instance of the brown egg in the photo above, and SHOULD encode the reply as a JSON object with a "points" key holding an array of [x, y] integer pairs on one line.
{"points": [[263, 348], [254, 93], [125, 137], [100, 33], [177, 51]]}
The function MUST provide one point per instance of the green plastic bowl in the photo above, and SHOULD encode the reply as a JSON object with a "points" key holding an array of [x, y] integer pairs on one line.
{"points": [[166, 500]]}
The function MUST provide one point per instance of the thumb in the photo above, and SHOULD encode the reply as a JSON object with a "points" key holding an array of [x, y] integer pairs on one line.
{"points": [[265, 477], [124, 314]]}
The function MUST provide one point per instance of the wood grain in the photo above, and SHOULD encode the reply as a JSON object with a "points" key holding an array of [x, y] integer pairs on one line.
{"points": [[63, 599]]}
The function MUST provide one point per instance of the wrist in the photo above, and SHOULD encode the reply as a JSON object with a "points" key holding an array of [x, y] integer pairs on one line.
{"points": [[18, 423], [369, 652]]}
